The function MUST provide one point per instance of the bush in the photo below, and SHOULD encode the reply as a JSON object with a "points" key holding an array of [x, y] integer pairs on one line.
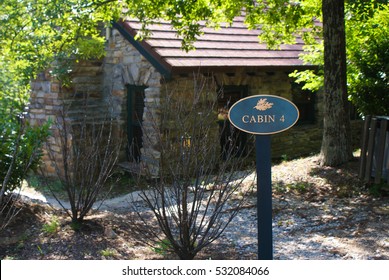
{"points": [[20, 150], [200, 185], [20, 143], [85, 163]]}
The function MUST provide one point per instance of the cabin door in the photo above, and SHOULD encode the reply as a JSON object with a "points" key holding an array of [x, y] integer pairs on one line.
{"points": [[232, 141], [135, 108]]}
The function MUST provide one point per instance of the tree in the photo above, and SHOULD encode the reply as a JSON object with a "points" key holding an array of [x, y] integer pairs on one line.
{"points": [[336, 144], [34, 33], [59, 25], [368, 57]]}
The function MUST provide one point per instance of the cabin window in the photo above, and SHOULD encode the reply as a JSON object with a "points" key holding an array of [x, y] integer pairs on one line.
{"points": [[305, 102]]}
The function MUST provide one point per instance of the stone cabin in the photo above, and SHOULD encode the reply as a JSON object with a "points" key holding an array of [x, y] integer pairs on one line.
{"points": [[129, 82]]}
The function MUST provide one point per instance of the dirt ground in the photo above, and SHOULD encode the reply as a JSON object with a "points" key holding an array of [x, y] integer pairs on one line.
{"points": [[41, 232]]}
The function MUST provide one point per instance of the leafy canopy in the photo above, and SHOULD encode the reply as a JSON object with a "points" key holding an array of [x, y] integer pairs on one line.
{"points": [[367, 33], [34, 33], [368, 60]]}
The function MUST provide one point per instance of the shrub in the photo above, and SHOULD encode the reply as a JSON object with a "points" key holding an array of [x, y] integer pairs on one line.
{"points": [[200, 184], [20, 149], [88, 153]]}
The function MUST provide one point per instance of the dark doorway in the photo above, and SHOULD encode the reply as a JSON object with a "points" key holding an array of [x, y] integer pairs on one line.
{"points": [[135, 108], [232, 141]]}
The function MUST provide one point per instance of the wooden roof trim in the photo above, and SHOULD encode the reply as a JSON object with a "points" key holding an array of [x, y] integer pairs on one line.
{"points": [[148, 52], [231, 69], [239, 47]]}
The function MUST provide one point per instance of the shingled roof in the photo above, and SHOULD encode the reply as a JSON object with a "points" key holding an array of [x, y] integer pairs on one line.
{"points": [[217, 50]]}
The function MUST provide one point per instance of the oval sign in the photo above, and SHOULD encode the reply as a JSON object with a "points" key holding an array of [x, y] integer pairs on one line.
{"points": [[263, 114]]}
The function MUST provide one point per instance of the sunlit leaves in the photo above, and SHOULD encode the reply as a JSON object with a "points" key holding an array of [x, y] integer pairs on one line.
{"points": [[34, 32], [368, 59]]}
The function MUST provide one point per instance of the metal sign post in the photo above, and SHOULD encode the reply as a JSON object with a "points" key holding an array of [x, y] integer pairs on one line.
{"points": [[263, 115], [264, 197]]}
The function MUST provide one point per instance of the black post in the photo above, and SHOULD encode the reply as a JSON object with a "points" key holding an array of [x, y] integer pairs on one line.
{"points": [[264, 197]]}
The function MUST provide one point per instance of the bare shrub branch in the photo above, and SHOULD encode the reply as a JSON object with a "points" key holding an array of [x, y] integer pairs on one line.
{"points": [[198, 192], [88, 153]]}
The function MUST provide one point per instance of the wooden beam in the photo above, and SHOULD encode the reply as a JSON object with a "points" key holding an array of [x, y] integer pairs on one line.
{"points": [[365, 139], [370, 149]]}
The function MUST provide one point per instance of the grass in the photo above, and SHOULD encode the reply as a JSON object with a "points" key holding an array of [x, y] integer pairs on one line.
{"points": [[162, 247], [380, 189], [46, 186], [52, 227], [297, 187], [120, 183], [108, 252]]}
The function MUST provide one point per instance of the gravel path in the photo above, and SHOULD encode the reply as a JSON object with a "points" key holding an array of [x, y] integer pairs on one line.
{"points": [[318, 213], [321, 231], [353, 228]]}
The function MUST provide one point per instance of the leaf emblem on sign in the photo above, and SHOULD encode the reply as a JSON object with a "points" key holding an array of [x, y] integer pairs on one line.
{"points": [[263, 105]]}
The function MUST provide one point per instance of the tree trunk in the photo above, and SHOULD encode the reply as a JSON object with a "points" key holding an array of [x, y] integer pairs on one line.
{"points": [[336, 146]]}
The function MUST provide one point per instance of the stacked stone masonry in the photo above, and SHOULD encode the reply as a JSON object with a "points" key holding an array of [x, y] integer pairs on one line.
{"points": [[99, 90]]}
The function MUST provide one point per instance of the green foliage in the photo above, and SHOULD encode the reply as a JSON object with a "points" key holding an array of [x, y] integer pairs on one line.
{"points": [[51, 227], [20, 143], [367, 31], [41, 252], [185, 16], [163, 247], [313, 80], [380, 189], [76, 225], [35, 33], [108, 252], [282, 20], [20, 150], [368, 57], [45, 185], [300, 187], [90, 48]]}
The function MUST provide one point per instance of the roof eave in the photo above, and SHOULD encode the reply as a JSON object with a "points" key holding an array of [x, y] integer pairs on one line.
{"points": [[230, 69], [158, 62]]}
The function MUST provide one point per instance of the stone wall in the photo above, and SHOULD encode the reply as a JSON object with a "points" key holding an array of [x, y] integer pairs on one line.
{"points": [[100, 89], [305, 140], [45, 103], [300, 140], [125, 66], [258, 82], [66, 106]]}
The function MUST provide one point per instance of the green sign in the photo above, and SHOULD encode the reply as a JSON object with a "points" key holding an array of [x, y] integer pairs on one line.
{"points": [[263, 114]]}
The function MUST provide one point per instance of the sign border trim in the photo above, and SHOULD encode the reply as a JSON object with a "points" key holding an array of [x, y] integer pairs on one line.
{"points": [[264, 133]]}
